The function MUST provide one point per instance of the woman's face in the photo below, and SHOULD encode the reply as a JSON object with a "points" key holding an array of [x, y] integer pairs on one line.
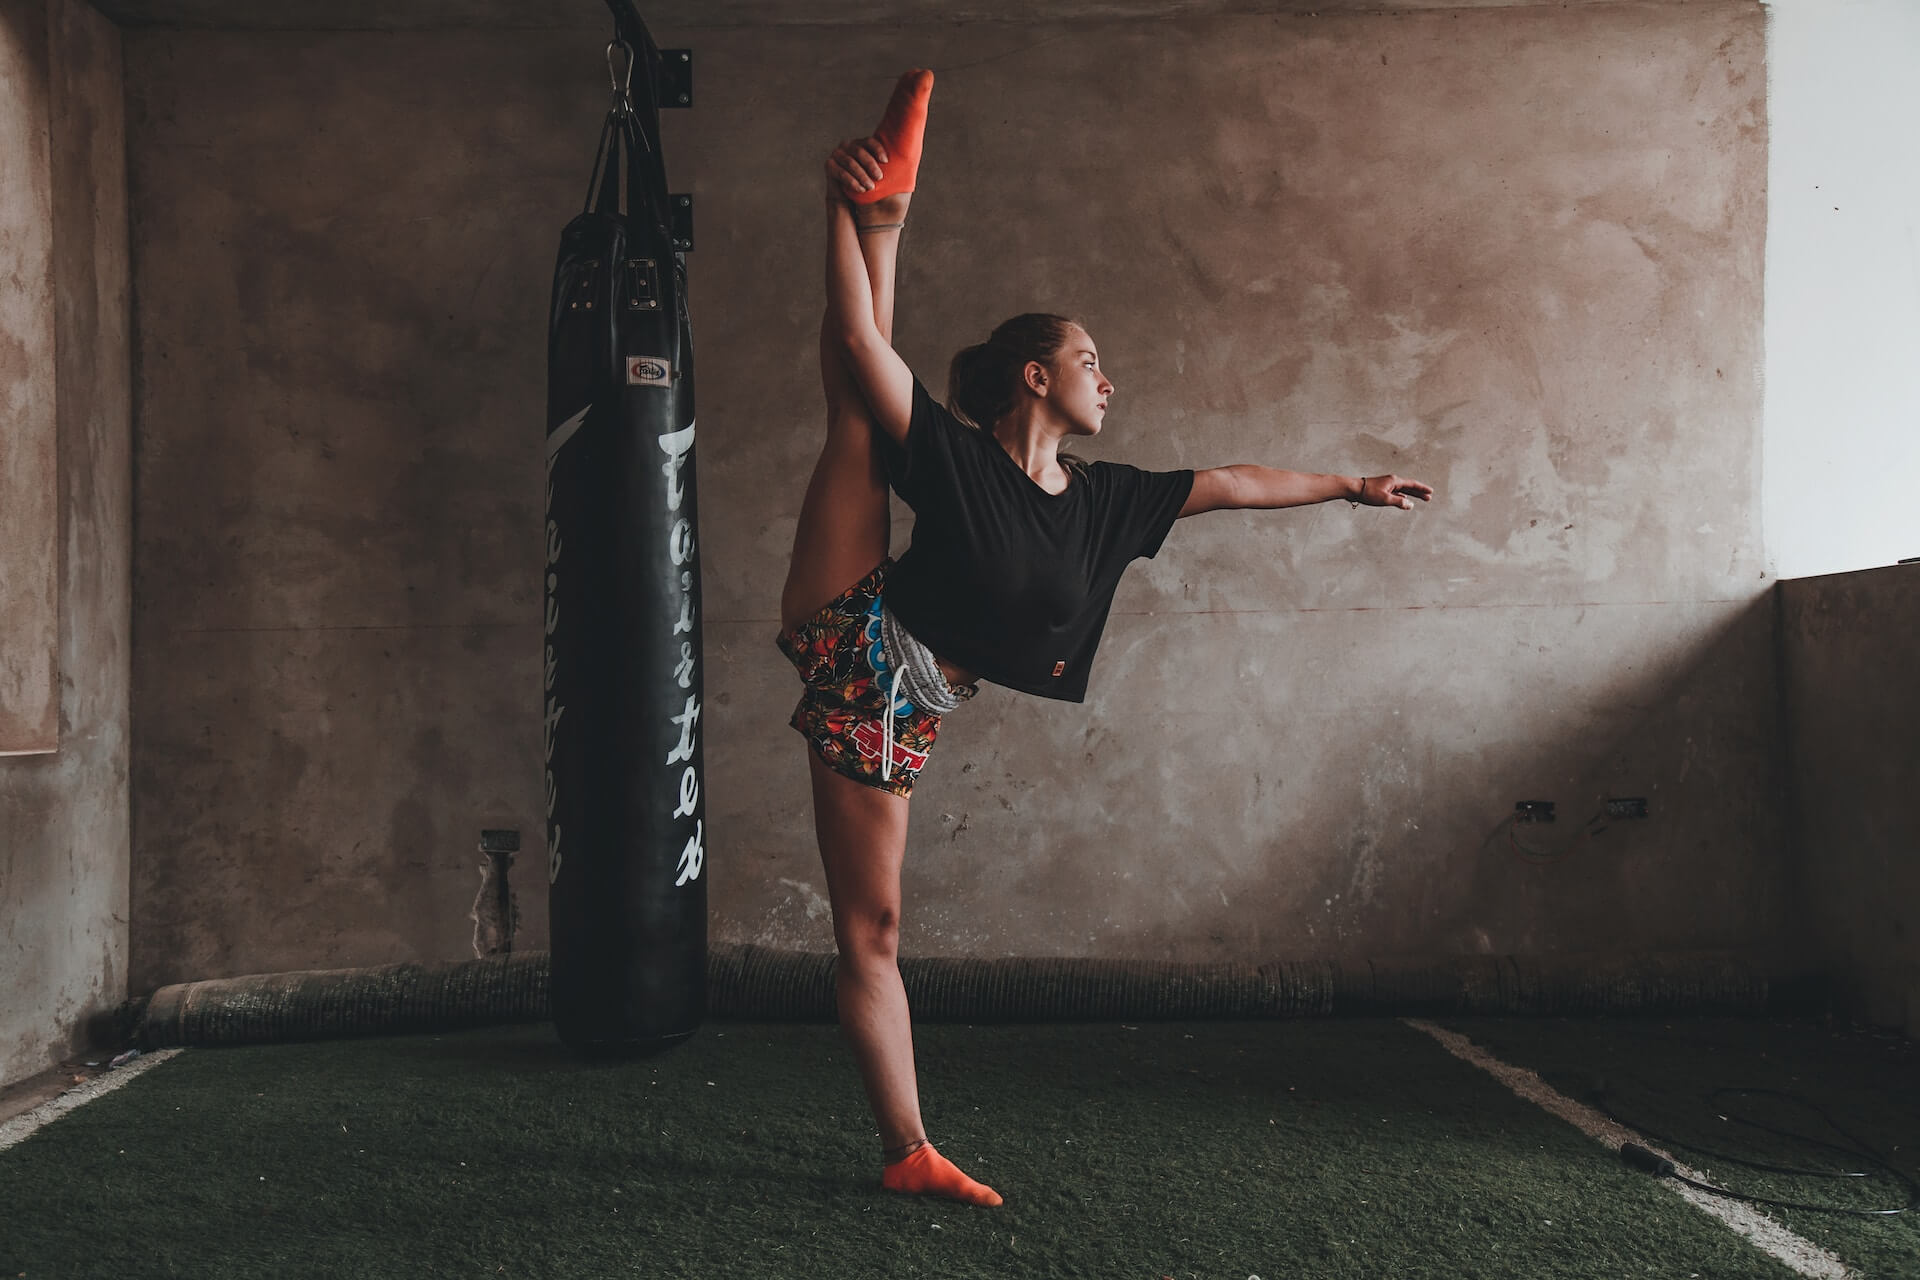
{"points": [[1078, 391]]}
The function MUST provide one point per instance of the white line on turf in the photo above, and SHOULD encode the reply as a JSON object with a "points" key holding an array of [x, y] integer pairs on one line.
{"points": [[27, 1123], [1803, 1255]]}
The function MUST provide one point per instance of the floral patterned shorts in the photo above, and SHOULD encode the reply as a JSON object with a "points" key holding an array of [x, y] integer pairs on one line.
{"points": [[842, 714]]}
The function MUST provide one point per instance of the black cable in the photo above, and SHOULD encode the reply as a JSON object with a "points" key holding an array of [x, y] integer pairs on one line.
{"points": [[1651, 1162]]}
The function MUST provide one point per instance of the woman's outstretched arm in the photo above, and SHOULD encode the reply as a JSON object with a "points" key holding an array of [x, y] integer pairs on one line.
{"points": [[1247, 487]]}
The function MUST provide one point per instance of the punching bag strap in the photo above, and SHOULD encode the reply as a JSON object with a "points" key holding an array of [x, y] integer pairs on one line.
{"points": [[603, 188], [627, 128], [646, 167], [646, 188]]}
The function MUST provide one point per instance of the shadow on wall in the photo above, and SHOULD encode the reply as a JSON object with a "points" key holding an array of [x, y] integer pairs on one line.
{"points": [[1853, 728], [1337, 785], [1710, 864]]}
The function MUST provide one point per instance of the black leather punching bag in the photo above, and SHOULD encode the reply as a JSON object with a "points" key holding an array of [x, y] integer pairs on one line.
{"points": [[626, 831]]}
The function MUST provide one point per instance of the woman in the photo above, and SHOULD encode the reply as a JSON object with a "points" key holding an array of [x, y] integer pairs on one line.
{"points": [[1017, 549]]}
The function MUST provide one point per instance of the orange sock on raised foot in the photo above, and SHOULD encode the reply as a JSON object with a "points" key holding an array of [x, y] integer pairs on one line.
{"points": [[928, 1173], [900, 132]]}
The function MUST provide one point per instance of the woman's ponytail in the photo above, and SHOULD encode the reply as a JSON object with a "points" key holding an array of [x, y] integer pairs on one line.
{"points": [[980, 384], [985, 380]]}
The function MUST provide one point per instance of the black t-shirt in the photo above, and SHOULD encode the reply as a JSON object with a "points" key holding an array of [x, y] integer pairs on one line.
{"points": [[1004, 578]]}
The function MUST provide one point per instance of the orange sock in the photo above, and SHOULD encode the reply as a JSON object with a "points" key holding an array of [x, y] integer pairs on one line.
{"points": [[900, 132], [928, 1173]]}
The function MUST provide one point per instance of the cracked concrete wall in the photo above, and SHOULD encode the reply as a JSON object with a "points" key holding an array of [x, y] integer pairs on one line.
{"points": [[64, 816], [1514, 251], [1853, 717]]}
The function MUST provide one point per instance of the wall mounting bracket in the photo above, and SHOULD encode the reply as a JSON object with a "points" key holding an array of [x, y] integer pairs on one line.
{"points": [[680, 221], [676, 78]]}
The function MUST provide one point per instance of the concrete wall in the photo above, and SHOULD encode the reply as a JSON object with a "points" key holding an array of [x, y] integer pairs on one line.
{"points": [[662, 15], [63, 817], [1843, 286], [1514, 251], [1853, 712], [29, 509]]}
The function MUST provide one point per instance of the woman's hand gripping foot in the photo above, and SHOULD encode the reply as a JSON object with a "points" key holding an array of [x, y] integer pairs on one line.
{"points": [[876, 174]]}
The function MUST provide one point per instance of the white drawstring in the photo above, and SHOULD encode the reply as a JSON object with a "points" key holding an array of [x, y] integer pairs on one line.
{"points": [[914, 666], [886, 730]]}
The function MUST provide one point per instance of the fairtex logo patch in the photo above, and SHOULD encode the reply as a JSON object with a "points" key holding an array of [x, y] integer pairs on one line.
{"points": [[648, 371]]}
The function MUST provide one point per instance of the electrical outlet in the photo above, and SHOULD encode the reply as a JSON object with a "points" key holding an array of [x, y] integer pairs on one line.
{"points": [[1627, 807], [1533, 811]]}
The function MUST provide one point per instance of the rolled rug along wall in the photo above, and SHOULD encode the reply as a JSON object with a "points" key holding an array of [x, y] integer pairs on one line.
{"points": [[768, 984]]}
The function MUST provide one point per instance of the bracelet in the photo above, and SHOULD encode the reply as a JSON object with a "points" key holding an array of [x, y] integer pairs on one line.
{"points": [[1359, 497], [904, 1150], [878, 226]]}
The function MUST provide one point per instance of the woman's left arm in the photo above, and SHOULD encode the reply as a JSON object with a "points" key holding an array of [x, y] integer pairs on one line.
{"points": [[1246, 487]]}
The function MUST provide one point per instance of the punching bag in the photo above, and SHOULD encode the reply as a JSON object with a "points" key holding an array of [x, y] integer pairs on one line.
{"points": [[626, 831]]}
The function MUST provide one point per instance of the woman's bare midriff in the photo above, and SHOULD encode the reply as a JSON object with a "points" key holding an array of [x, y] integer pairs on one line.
{"points": [[956, 675]]}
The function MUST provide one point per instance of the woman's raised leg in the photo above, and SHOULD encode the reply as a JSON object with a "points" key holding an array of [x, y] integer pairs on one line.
{"points": [[843, 528]]}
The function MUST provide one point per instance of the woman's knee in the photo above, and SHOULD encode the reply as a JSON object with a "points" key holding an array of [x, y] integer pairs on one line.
{"points": [[868, 936]]}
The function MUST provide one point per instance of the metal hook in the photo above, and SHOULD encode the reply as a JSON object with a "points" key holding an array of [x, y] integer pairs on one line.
{"points": [[623, 79]]}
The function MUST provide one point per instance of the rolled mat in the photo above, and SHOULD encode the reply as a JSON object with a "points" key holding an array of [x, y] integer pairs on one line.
{"points": [[763, 983]]}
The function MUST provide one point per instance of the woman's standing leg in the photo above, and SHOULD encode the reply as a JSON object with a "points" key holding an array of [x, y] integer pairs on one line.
{"points": [[863, 839]]}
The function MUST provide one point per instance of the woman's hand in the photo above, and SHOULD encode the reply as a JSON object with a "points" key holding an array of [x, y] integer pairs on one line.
{"points": [[1392, 491], [855, 166]]}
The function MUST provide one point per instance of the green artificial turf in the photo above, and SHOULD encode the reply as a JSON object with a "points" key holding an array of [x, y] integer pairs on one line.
{"points": [[1662, 1076], [1276, 1149]]}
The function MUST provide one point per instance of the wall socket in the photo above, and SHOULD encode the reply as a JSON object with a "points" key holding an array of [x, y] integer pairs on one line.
{"points": [[1533, 811], [1626, 807]]}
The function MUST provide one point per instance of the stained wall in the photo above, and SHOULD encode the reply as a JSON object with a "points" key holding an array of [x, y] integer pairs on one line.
{"points": [[1514, 251], [64, 839]]}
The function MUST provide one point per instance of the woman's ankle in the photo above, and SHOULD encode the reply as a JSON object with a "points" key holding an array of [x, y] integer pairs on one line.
{"points": [[891, 209], [894, 1155]]}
